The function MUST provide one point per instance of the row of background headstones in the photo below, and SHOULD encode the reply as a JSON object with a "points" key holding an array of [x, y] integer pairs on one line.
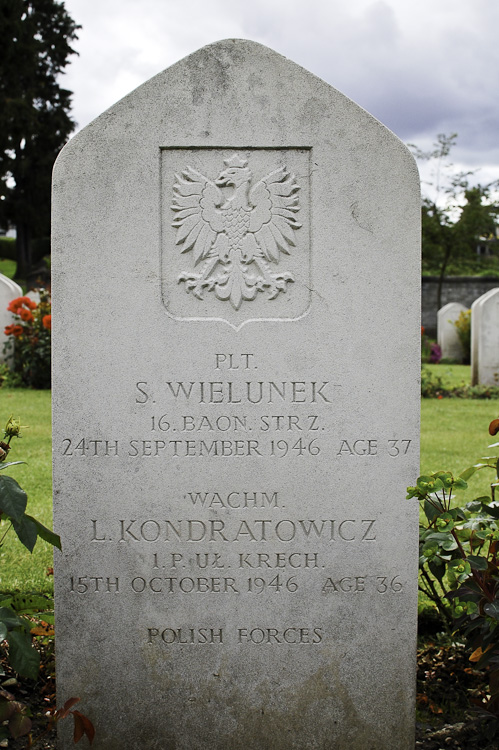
{"points": [[484, 336], [9, 290]]}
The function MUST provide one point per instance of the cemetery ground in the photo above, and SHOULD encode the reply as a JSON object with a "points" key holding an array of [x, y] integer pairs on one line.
{"points": [[453, 435]]}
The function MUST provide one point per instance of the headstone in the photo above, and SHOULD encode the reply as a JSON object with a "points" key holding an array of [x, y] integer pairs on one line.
{"points": [[9, 290], [34, 295], [236, 414], [447, 337], [485, 339], [476, 311]]}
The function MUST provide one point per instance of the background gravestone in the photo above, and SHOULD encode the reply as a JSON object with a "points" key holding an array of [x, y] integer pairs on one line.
{"points": [[236, 414], [9, 290], [447, 337], [485, 339], [476, 326]]}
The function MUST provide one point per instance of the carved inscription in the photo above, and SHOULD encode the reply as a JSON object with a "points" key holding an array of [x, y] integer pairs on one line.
{"points": [[237, 229], [238, 541], [274, 419]]}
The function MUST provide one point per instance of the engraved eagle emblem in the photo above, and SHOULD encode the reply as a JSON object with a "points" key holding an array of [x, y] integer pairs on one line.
{"points": [[236, 229]]}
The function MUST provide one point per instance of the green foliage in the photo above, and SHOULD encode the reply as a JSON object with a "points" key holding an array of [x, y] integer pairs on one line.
{"points": [[34, 113], [456, 218], [459, 564], [433, 387], [15, 628], [19, 569], [30, 341], [22, 616], [463, 328]]}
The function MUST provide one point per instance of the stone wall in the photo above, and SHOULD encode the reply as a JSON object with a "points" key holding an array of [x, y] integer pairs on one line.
{"points": [[463, 289]]}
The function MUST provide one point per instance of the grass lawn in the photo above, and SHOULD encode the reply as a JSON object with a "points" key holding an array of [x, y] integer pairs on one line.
{"points": [[454, 435], [18, 568], [452, 375]]}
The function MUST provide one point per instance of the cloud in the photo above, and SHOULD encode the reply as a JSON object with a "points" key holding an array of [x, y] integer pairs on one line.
{"points": [[421, 68]]}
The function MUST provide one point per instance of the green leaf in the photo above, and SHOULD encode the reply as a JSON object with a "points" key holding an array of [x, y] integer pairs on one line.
{"points": [[445, 522], [492, 609], [13, 499], [26, 532], [46, 534], [467, 473], [24, 658], [492, 510], [31, 604], [477, 563], [481, 534], [475, 506], [430, 511], [430, 549], [3, 632], [437, 569], [440, 536], [9, 618]]}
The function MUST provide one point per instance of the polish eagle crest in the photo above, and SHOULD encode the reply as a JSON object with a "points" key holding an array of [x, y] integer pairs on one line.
{"points": [[236, 231]]}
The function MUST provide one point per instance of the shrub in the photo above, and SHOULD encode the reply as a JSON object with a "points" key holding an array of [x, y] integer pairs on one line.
{"points": [[30, 340], [22, 616], [430, 350], [459, 566], [433, 387], [463, 327]]}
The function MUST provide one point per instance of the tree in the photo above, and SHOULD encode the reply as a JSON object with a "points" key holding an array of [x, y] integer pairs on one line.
{"points": [[34, 114], [458, 216]]}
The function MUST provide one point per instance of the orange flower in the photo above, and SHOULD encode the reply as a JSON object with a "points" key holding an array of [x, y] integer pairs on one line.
{"points": [[47, 322], [13, 330], [26, 315], [17, 304], [422, 330]]}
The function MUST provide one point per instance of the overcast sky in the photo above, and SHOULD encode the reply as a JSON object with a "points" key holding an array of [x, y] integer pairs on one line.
{"points": [[422, 67]]}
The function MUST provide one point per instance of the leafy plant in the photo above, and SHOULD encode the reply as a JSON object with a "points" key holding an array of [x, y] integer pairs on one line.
{"points": [[29, 340], [430, 350], [463, 328], [432, 386], [459, 566], [23, 616]]}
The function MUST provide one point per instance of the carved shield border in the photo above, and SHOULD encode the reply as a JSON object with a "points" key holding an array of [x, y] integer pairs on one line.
{"points": [[290, 303]]}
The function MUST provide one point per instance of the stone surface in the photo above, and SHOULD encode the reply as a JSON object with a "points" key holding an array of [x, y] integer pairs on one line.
{"points": [[485, 339], [447, 337], [233, 437], [9, 290]]}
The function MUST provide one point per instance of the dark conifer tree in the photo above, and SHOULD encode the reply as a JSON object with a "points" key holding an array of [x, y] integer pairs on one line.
{"points": [[35, 121]]}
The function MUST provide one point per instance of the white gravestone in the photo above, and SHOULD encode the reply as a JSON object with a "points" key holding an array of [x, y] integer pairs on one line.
{"points": [[485, 339], [236, 291], [476, 311], [9, 290], [447, 337]]}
